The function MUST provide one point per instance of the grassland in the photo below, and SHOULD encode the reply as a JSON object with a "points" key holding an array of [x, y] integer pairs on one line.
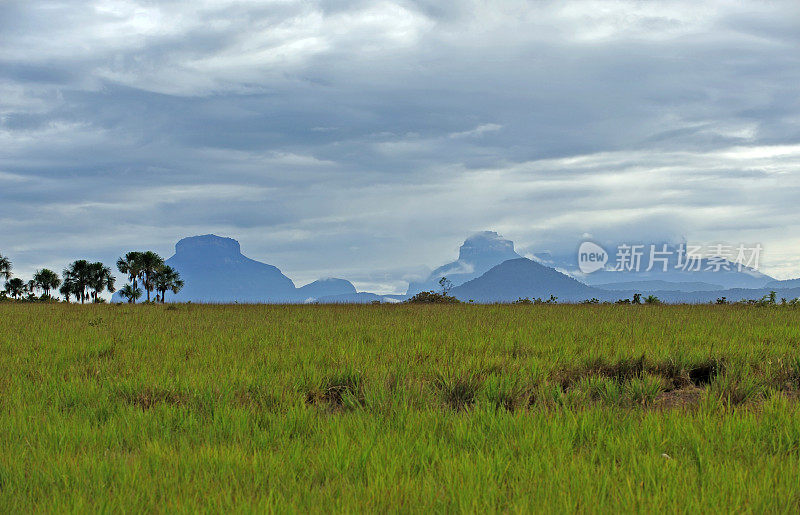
{"points": [[399, 408]]}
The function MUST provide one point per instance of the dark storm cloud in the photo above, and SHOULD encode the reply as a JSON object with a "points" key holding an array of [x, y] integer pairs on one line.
{"points": [[361, 139]]}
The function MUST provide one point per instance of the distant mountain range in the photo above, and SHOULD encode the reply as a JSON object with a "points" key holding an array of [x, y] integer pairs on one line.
{"points": [[488, 269]]}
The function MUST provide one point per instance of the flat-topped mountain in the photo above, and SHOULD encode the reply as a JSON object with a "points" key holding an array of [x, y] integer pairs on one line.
{"points": [[214, 270]]}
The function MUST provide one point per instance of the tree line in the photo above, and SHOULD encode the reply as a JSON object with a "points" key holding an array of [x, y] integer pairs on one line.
{"points": [[86, 281]]}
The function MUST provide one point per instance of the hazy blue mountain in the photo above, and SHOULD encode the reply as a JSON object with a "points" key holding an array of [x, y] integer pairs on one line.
{"points": [[656, 285], [214, 270], [325, 288], [782, 285], [523, 277], [478, 254]]}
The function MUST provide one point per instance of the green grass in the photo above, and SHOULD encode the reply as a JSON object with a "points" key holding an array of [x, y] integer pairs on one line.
{"points": [[399, 408]]}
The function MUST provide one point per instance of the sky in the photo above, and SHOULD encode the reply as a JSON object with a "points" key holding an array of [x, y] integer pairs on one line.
{"points": [[367, 140]]}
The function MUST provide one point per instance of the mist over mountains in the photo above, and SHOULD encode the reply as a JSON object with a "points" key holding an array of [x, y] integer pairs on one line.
{"points": [[488, 269], [477, 255]]}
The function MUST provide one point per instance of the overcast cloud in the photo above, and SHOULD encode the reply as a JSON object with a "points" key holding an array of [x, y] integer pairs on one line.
{"points": [[365, 140]]}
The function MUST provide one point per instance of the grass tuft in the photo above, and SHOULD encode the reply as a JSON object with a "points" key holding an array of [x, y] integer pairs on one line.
{"points": [[599, 388], [643, 390], [505, 392], [736, 387], [342, 392], [458, 391]]}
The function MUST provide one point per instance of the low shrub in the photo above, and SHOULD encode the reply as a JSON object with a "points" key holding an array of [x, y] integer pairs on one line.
{"points": [[431, 297]]}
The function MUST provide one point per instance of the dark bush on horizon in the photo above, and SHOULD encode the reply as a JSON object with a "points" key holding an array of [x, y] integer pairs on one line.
{"points": [[431, 297]]}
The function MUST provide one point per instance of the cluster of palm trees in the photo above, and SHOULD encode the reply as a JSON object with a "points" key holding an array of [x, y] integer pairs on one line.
{"points": [[148, 269], [17, 288], [82, 280], [85, 280]]}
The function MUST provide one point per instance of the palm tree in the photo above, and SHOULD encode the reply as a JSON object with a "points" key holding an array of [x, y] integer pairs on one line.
{"points": [[5, 267], [69, 288], [130, 292], [15, 287], [150, 263], [167, 278], [131, 265], [79, 274], [100, 279], [46, 280]]}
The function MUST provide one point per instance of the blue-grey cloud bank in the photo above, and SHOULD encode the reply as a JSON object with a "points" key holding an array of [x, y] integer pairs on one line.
{"points": [[365, 139]]}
